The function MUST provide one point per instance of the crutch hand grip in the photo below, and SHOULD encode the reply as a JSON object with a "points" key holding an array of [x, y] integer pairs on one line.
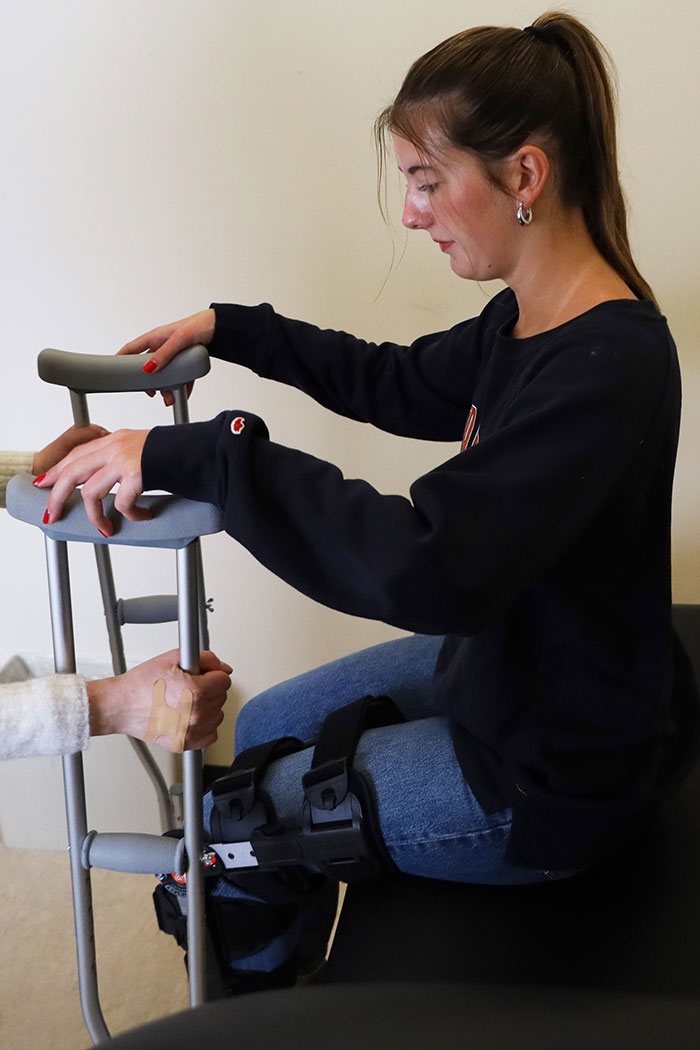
{"points": [[109, 373], [133, 852]]}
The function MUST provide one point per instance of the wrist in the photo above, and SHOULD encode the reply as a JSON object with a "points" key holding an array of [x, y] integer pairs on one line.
{"points": [[106, 708]]}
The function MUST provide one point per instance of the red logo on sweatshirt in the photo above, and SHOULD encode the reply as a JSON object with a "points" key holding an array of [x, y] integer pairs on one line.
{"points": [[237, 424], [471, 431]]}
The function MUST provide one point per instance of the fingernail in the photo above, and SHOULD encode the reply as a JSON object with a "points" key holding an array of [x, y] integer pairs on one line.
{"points": [[103, 533], [38, 481], [47, 517], [150, 366]]}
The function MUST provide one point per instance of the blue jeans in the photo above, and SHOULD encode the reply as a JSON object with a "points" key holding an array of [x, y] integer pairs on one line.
{"points": [[431, 821]]}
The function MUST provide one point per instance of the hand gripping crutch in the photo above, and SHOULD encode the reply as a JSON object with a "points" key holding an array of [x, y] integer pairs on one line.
{"points": [[175, 524]]}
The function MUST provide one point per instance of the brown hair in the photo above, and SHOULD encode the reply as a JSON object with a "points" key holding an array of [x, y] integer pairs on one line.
{"points": [[490, 89]]}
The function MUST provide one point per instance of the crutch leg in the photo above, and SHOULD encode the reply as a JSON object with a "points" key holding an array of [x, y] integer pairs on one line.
{"points": [[74, 786], [188, 624]]}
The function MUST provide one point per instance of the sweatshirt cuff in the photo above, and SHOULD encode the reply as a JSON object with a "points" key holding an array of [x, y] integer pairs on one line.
{"points": [[241, 334], [194, 459], [177, 459]]}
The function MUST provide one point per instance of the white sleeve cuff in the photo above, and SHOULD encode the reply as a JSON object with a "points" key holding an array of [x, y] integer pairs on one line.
{"points": [[44, 716], [12, 463]]}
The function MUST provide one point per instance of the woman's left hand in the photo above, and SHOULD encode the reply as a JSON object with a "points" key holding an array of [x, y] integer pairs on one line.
{"points": [[98, 466]]}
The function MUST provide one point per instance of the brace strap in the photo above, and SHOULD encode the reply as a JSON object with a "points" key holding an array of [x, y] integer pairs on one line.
{"points": [[327, 782], [340, 814], [240, 804]]}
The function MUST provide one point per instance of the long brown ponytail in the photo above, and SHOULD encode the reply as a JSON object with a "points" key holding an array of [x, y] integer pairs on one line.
{"points": [[489, 89]]}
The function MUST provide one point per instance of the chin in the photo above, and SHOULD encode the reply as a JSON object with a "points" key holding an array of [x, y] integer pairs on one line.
{"points": [[463, 267], [469, 272], [465, 272]]}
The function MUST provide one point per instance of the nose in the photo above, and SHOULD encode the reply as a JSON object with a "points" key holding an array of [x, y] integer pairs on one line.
{"points": [[416, 212]]}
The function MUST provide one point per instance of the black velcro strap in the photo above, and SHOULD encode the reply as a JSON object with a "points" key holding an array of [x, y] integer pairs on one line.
{"points": [[327, 781], [247, 770], [238, 795], [169, 915]]}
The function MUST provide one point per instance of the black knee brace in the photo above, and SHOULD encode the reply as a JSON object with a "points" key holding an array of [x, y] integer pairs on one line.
{"points": [[236, 928], [285, 870], [339, 834]]}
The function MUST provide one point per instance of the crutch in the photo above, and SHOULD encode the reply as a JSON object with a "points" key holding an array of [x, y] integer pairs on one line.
{"points": [[176, 524]]}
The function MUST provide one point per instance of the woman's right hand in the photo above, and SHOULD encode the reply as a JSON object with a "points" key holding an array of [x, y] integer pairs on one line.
{"points": [[165, 342]]}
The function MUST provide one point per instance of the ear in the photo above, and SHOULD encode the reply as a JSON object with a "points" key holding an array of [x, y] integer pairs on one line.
{"points": [[528, 171]]}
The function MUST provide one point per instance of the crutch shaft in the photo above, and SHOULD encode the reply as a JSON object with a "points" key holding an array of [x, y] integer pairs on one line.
{"points": [[188, 625], [73, 778]]}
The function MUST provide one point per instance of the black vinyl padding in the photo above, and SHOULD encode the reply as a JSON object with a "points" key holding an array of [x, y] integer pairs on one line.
{"points": [[631, 926], [422, 1017]]}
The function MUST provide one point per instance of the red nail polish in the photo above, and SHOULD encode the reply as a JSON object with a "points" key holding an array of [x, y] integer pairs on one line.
{"points": [[150, 366], [38, 481], [46, 517], [105, 534]]}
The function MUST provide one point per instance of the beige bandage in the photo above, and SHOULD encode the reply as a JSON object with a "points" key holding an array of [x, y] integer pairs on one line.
{"points": [[169, 721]]}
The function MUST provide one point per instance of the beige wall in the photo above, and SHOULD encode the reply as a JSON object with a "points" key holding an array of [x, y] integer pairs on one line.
{"points": [[159, 154]]}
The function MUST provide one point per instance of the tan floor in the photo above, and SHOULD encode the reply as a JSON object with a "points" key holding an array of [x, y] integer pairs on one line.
{"points": [[141, 971]]}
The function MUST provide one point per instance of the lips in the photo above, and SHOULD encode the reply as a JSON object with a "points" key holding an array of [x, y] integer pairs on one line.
{"points": [[445, 245]]}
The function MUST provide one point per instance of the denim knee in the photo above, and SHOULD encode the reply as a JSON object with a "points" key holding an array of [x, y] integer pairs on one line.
{"points": [[260, 719], [244, 727]]}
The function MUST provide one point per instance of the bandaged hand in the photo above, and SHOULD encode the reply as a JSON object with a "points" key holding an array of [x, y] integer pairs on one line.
{"points": [[162, 704], [98, 466], [63, 444]]}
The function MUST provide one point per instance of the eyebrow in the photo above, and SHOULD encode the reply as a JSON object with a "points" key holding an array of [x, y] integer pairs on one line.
{"points": [[417, 167]]}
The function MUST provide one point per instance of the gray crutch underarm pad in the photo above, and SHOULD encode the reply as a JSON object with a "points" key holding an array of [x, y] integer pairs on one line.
{"points": [[175, 522], [107, 373]]}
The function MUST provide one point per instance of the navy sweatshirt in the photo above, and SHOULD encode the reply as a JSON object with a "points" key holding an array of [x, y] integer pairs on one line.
{"points": [[541, 548]]}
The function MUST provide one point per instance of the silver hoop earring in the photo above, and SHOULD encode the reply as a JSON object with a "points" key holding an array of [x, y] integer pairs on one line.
{"points": [[524, 217]]}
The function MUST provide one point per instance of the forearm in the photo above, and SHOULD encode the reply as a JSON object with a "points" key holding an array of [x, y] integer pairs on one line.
{"points": [[122, 704], [412, 390], [106, 709], [338, 540]]}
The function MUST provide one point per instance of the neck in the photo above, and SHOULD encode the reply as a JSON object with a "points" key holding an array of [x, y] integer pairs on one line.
{"points": [[559, 275]]}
